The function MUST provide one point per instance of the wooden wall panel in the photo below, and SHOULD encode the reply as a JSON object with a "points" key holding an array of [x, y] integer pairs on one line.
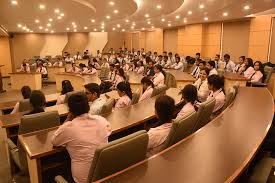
{"points": [[5, 56], [170, 40], [272, 53]]}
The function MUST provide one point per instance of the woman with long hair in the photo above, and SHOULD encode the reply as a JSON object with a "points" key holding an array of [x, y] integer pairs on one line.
{"points": [[66, 87], [125, 93]]}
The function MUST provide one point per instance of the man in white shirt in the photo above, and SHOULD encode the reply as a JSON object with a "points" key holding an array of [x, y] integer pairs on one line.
{"points": [[41, 69], [196, 69], [178, 65], [58, 63], [217, 61], [98, 54], [77, 56], [69, 59], [228, 64], [240, 66], [74, 69], [171, 59], [165, 62], [155, 56], [25, 68], [211, 66]]}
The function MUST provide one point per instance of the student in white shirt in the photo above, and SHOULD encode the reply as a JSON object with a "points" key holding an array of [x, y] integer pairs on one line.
{"points": [[178, 64], [66, 88], [47, 63], [112, 73], [189, 95], [98, 54], [211, 66], [74, 69], [164, 110], [258, 75], [81, 136], [217, 61], [68, 59], [58, 63], [159, 60], [155, 56], [196, 69], [26, 93], [171, 59], [202, 85], [165, 63], [41, 69], [215, 85], [91, 70], [228, 64], [125, 66], [140, 68], [25, 68], [202, 65], [83, 69], [150, 69], [105, 63], [77, 56], [158, 78], [148, 87], [240, 66], [125, 93], [248, 70], [120, 77], [96, 103]]}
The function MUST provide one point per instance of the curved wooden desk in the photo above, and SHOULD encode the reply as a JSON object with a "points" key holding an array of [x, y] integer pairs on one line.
{"points": [[217, 153], [78, 81], [135, 80], [20, 79], [52, 71], [182, 78], [231, 79]]}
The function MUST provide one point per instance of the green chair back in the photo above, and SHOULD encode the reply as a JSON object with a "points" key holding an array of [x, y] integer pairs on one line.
{"points": [[159, 90], [229, 98], [108, 106], [118, 155], [104, 73], [170, 80], [268, 72]]}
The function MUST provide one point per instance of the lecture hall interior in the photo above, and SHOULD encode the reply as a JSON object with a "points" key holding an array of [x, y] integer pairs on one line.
{"points": [[137, 91]]}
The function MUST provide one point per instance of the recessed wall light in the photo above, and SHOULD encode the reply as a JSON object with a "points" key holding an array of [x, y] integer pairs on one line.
{"points": [[116, 11], [49, 25], [185, 21], [73, 23], [108, 17], [146, 15], [28, 30], [132, 27], [143, 28], [102, 31], [201, 6], [102, 27], [31, 31], [148, 22], [190, 12], [19, 25], [56, 10], [159, 6], [102, 24], [133, 23], [24, 28], [177, 17], [42, 6], [153, 27], [205, 18], [74, 26], [75, 30], [46, 30], [52, 31], [14, 2], [163, 20]]}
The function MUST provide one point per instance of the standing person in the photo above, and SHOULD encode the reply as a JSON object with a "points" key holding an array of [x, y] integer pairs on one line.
{"points": [[195, 72], [211, 66], [81, 136], [66, 88], [26, 93], [148, 87], [125, 93], [105, 63], [202, 85], [158, 78]]}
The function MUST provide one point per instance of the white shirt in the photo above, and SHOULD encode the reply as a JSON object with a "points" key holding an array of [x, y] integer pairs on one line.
{"points": [[158, 79], [196, 71], [239, 68], [59, 64], [146, 94], [112, 75], [22, 69], [168, 63], [42, 70], [203, 91], [257, 77], [177, 65], [60, 99], [74, 70], [140, 70], [105, 65], [69, 60], [123, 102], [77, 57], [220, 99], [126, 67], [118, 79], [229, 67], [187, 108], [249, 72], [92, 71], [81, 137], [96, 106], [213, 72]]}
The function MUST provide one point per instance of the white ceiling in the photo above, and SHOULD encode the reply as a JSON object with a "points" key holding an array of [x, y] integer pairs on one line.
{"points": [[83, 11]]}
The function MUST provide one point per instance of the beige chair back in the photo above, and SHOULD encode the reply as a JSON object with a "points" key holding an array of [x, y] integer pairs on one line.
{"points": [[25, 105], [108, 106], [118, 155], [204, 113], [229, 98], [170, 80], [67, 96], [32, 123], [181, 128], [159, 90], [136, 96]]}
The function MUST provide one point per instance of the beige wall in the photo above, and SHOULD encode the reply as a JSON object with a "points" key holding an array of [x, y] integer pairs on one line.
{"points": [[115, 41], [96, 41], [211, 39], [236, 38], [141, 40], [154, 40], [135, 41], [128, 40], [76, 42], [259, 37], [272, 51], [5, 56], [170, 40], [54, 44]]}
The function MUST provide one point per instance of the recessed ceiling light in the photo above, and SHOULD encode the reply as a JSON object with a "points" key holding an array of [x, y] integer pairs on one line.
{"points": [[190, 12], [28, 30], [62, 14], [73, 23], [169, 25], [115, 11], [102, 27], [59, 17], [133, 23], [24, 28], [185, 21], [102, 31], [118, 25], [74, 26], [163, 20], [148, 22], [123, 30], [75, 30], [159, 6], [42, 6], [111, 3], [52, 31], [46, 30], [205, 18], [40, 27], [201, 6], [19, 25], [132, 27], [94, 29], [177, 17], [146, 15], [225, 14], [102, 24], [50, 19], [49, 25], [93, 20], [14, 2], [153, 27], [246, 7], [143, 28], [56, 10], [108, 17], [127, 20], [67, 28], [114, 28], [31, 31], [85, 28]]}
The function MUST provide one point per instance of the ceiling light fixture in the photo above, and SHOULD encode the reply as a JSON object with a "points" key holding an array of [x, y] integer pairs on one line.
{"points": [[201, 6], [123, 30], [14, 2], [132, 27], [52, 31], [127, 20], [102, 27], [42, 6], [49, 25], [75, 30], [190, 12], [102, 24], [115, 11], [149, 22], [163, 20], [56, 10], [94, 29], [177, 17], [225, 14], [246, 7], [93, 20], [75, 26], [118, 25], [62, 14], [85, 28], [159, 6], [67, 28], [143, 28], [24, 28], [146, 15], [50, 19], [19, 25], [59, 17], [108, 17], [40, 27], [133, 23], [114, 28], [185, 21], [46, 30], [73, 23], [205, 18], [111, 3], [169, 25]]}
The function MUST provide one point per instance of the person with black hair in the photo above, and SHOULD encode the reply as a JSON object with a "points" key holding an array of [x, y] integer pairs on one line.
{"points": [[248, 70], [150, 69], [189, 95], [258, 75], [159, 77], [58, 63], [228, 64], [168, 60], [38, 101], [95, 63], [112, 73], [25, 67], [26, 93], [66, 88], [202, 85], [159, 60], [83, 68], [91, 70], [81, 136], [211, 66], [140, 68], [125, 66], [216, 85], [125, 93], [155, 56], [217, 61], [77, 56], [240, 65], [120, 77], [164, 110], [198, 56], [105, 63], [195, 72], [74, 69], [148, 87], [178, 64], [164, 61], [41, 69]]}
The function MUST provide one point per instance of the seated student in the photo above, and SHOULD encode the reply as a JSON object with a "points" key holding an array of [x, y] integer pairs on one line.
{"points": [[158, 78], [112, 73], [81, 136], [98, 54], [125, 66], [96, 103], [47, 63], [85, 56], [26, 93], [125, 93], [164, 110], [58, 63], [77, 56], [41, 69], [217, 61], [38, 101], [140, 68], [202, 85], [159, 60], [215, 85], [66, 88], [165, 62], [105, 63], [74, 69], [171, 59], [211, 66], [178, 64], [150, 69], [248, 69], [229, 65], [196, 69], [241, 65], [94, 63], [83, 69], [91, 70], [120, 76], [25, 68], [69, 59], [258, 75], [155, 56], [189, 95], [148, 87]]}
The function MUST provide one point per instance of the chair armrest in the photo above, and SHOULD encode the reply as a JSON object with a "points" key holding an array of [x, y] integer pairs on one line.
{"points": [[11, 145], [60, 179], [258, 84]]}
